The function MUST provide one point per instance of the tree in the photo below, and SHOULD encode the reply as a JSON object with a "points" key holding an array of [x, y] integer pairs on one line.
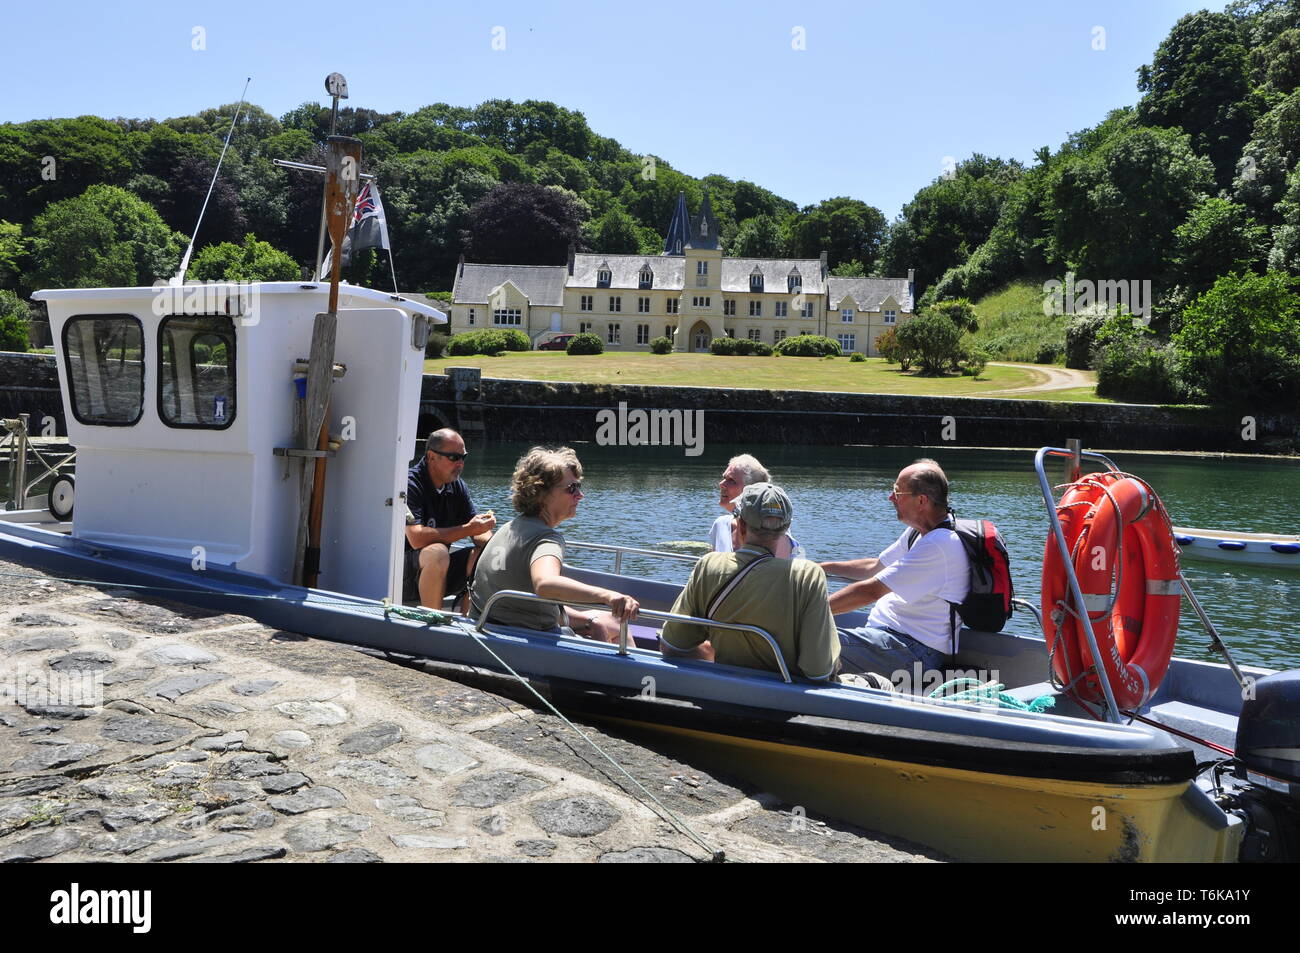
{"points": [[614, 233], [13, 253], [252, 261], [1218, 237], [1240, 341], [846, 229], [1113, 210], [105, 237], [933, 340], [1198, 82], [959, 311], [758, 237], [525, 224]]}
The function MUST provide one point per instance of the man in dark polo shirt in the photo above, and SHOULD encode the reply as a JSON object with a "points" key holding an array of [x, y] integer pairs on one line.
{"points": [[439, 512]]}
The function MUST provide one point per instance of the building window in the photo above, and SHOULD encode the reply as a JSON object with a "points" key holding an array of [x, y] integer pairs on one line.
{"points": [[756, 309], [673, 304], [701, 267], [615, 303], [647, 279], [891, 317], [778, 335], [643, 334], [471, 316], [670, 330], [642, 305], [802, 333], [755, 334], [584, 327], [847, 342], [587, 303], [603, 279], [615, 334], [782, 309], [731, 332], [701, 301], [794, 284], [728, 305], [756, 283], [512, 316], [846, 315], [809, 310]]}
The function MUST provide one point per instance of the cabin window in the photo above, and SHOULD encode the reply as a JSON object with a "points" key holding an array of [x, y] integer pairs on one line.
{"points": [[196, 379], [104, 365]]}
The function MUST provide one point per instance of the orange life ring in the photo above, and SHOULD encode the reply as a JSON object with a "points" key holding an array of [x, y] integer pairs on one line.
{"points": [[1109, 517]]}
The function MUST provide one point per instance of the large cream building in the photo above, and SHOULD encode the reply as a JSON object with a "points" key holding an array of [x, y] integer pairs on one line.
{"points": [[690, 293]]}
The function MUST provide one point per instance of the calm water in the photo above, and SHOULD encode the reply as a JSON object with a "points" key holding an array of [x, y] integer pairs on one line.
{"points": [[647, 496]]}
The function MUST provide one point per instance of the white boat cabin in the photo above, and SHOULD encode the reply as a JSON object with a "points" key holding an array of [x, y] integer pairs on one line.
{"points": [[178, 397]]}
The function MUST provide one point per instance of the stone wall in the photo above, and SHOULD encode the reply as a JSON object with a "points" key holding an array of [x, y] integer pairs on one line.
{"points": [[546, 411], [29, 384]]}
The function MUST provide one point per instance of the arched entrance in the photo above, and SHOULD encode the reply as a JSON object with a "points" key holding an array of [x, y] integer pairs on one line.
{"points": [[700, 337]]}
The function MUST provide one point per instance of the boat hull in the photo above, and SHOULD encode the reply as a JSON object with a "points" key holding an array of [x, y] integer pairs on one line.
{"points": [[1241, 549]]}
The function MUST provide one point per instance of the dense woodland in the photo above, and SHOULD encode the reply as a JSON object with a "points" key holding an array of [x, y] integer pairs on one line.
{"points": [[1196, 189]]}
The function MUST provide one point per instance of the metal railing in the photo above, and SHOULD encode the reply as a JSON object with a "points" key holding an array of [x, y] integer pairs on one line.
{"points": [[520, 595], [17, 437], [618, 552]]}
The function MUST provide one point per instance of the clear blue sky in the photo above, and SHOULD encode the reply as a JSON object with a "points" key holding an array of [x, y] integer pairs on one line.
{"points": [[881, 94]]}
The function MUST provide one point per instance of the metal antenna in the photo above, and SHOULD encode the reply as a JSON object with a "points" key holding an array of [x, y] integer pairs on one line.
{"points": [[185, 262]]}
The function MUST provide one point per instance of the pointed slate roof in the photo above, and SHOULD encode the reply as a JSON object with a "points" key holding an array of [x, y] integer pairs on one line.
{"points": [[704, 227], [678, 228]]}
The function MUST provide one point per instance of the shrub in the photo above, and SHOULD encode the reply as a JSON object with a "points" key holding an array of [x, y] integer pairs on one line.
{"points": [[857, 357], [661, 345], [1240, 341], [13, 322], [934, 340], [1048, 353], [975, 361], [762, 350], [744, 347], [808, 345], [957, 310], [585, 344], [436, 345], [723, 346], [1081, 339], [488, 341], [1132, 367]]}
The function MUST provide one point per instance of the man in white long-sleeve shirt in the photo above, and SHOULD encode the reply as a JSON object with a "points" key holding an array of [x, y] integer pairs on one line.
{"points": [[743, 471]]}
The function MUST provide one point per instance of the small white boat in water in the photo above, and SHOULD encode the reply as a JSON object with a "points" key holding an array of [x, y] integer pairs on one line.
{"points": [[1242, 549]]}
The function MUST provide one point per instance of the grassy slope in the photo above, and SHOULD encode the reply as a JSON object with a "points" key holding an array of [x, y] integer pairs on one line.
{"points": [[1013, 326], [872, 376]]}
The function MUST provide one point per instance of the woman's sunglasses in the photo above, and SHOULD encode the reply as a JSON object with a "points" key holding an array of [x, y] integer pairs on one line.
{"points": [[574, 488]]}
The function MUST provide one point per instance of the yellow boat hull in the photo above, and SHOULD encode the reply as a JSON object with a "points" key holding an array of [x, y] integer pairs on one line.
{"points": [[971, 815]]}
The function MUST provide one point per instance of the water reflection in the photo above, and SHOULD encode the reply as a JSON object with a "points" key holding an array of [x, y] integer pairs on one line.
{"points": [[646, 496]]}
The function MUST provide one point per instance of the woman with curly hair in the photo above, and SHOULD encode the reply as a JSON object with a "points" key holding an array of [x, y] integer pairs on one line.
{"points": [[528, 554]]}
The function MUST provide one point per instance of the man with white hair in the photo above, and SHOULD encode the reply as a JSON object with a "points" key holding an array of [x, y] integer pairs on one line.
{"points": [[784, 597], [743, 471]]}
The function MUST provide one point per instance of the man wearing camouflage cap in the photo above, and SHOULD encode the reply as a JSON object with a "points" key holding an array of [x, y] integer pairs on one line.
{"points": [[784, 597]]}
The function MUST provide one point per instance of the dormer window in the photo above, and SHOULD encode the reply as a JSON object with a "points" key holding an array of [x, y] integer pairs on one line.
{"points": [[603, 276], [794, 283], [647, 278], [756, 281]]}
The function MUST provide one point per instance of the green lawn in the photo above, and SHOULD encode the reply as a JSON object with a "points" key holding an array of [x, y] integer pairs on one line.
{"points": [[873, 376]]}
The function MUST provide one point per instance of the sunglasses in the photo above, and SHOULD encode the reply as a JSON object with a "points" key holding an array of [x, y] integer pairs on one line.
{"points": [[453, 457], [895, 491], [574, 488]]}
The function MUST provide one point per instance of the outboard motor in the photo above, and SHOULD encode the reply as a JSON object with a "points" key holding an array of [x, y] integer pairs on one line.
{"points": [[1267, 797]]}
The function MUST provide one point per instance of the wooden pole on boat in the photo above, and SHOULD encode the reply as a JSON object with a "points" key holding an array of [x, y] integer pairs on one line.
{"points": [[343, 166]]}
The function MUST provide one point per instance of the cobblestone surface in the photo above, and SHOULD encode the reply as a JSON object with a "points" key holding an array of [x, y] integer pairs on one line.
{"points": [[136, 730]]}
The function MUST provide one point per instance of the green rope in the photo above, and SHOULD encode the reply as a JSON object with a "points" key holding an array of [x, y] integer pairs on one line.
{"points": [[979, 693]]}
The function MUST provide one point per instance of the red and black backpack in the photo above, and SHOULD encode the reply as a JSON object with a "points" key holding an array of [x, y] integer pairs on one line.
{"points": [[987, 606]]}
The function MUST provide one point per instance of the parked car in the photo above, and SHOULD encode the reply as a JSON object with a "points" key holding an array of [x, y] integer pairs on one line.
{"points": [[557, 343]]}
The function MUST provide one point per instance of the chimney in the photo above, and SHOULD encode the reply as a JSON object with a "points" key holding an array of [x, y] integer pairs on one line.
{"points": [[823, 266], [911, 285], [572, 252], [460, 269]]}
